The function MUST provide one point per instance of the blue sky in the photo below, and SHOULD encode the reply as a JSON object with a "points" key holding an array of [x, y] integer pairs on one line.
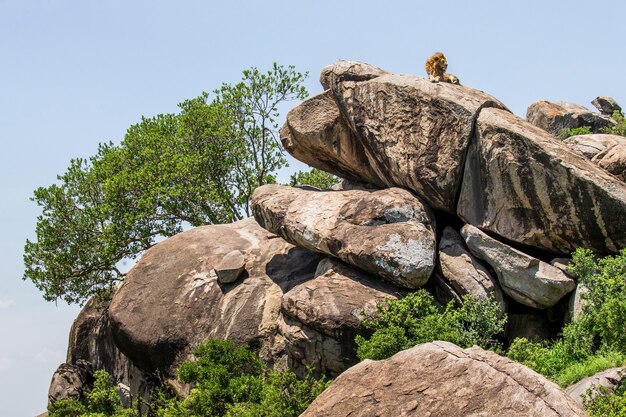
{"points": [[76, 73]]}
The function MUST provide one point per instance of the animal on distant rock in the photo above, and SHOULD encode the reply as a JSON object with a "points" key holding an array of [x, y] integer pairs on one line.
{"points": [[436, 67]]}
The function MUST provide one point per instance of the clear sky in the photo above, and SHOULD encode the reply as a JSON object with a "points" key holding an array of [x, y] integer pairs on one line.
{"points": [[76, 73]]}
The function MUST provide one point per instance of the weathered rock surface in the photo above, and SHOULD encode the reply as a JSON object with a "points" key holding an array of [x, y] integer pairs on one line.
{"points": [[390, 130], [230, 267], [389, 233], [464, 272], [522, 184], [441, 379], [525, 279], [613, 159], [91, 346], [68, 381], [591, 145], [606, 105], [554, 117], [333, 301], [171, 300], [324, 314], [343, 70], [609, 378]]}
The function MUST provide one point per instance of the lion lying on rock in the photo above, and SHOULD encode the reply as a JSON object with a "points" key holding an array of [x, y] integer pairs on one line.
{"points": [[436, 67]]}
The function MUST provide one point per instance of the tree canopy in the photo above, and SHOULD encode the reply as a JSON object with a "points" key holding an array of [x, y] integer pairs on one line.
{"points": [[198, 166]]}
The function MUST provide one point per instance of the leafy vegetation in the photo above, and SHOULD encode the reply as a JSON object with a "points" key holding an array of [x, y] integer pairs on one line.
{"points": [[603, 402], [595, 340], [416, 318], [196, 167], [227, 381], [575, 131], [620, 127], [102, 400], [314, 177]]}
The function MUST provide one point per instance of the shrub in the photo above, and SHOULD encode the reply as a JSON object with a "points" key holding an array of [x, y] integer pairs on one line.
{"points": [[620, 127], [603, 402], [596, 339], [575, 131], [401, 324]]}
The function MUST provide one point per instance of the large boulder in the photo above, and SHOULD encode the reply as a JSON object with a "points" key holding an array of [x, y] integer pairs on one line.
{"points": [[172, 299], [526, 186], [464, 272], [326, 312], [441, 379], [388, 130], [555, 117], [389, 233], [525, 279]]}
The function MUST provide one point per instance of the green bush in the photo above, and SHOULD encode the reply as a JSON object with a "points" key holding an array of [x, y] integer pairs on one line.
{"points": [[416, 318], [603, 402], [575, 131], [231, 381], [102, 400], [595, 340], [620, 127], [227, 381]]}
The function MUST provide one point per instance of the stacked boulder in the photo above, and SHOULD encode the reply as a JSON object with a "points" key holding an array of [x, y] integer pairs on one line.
{"points": [[444, 188]]}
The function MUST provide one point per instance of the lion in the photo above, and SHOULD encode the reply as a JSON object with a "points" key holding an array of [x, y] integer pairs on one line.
{"points": [[436, 67]]}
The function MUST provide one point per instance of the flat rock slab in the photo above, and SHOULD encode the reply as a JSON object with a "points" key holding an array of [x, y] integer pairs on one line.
{"points": [[464, 272], [388, 130], [524, 278], [526, 186], [441, 379], [388, 233], [172, 300]]}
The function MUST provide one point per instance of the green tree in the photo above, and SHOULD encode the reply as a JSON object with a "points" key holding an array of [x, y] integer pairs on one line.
{"points": [[198, 166], [314, 177], [402, 324]]}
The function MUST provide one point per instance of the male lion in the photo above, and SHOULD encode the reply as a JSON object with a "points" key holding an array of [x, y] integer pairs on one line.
{"points": [[436, 67]]}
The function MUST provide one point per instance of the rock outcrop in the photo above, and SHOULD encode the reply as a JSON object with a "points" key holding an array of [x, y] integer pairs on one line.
{"points": [[555, 117], [441, 379], [389, 130], [522, 184], [524, 278], [389, 233], [294, 281]]}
